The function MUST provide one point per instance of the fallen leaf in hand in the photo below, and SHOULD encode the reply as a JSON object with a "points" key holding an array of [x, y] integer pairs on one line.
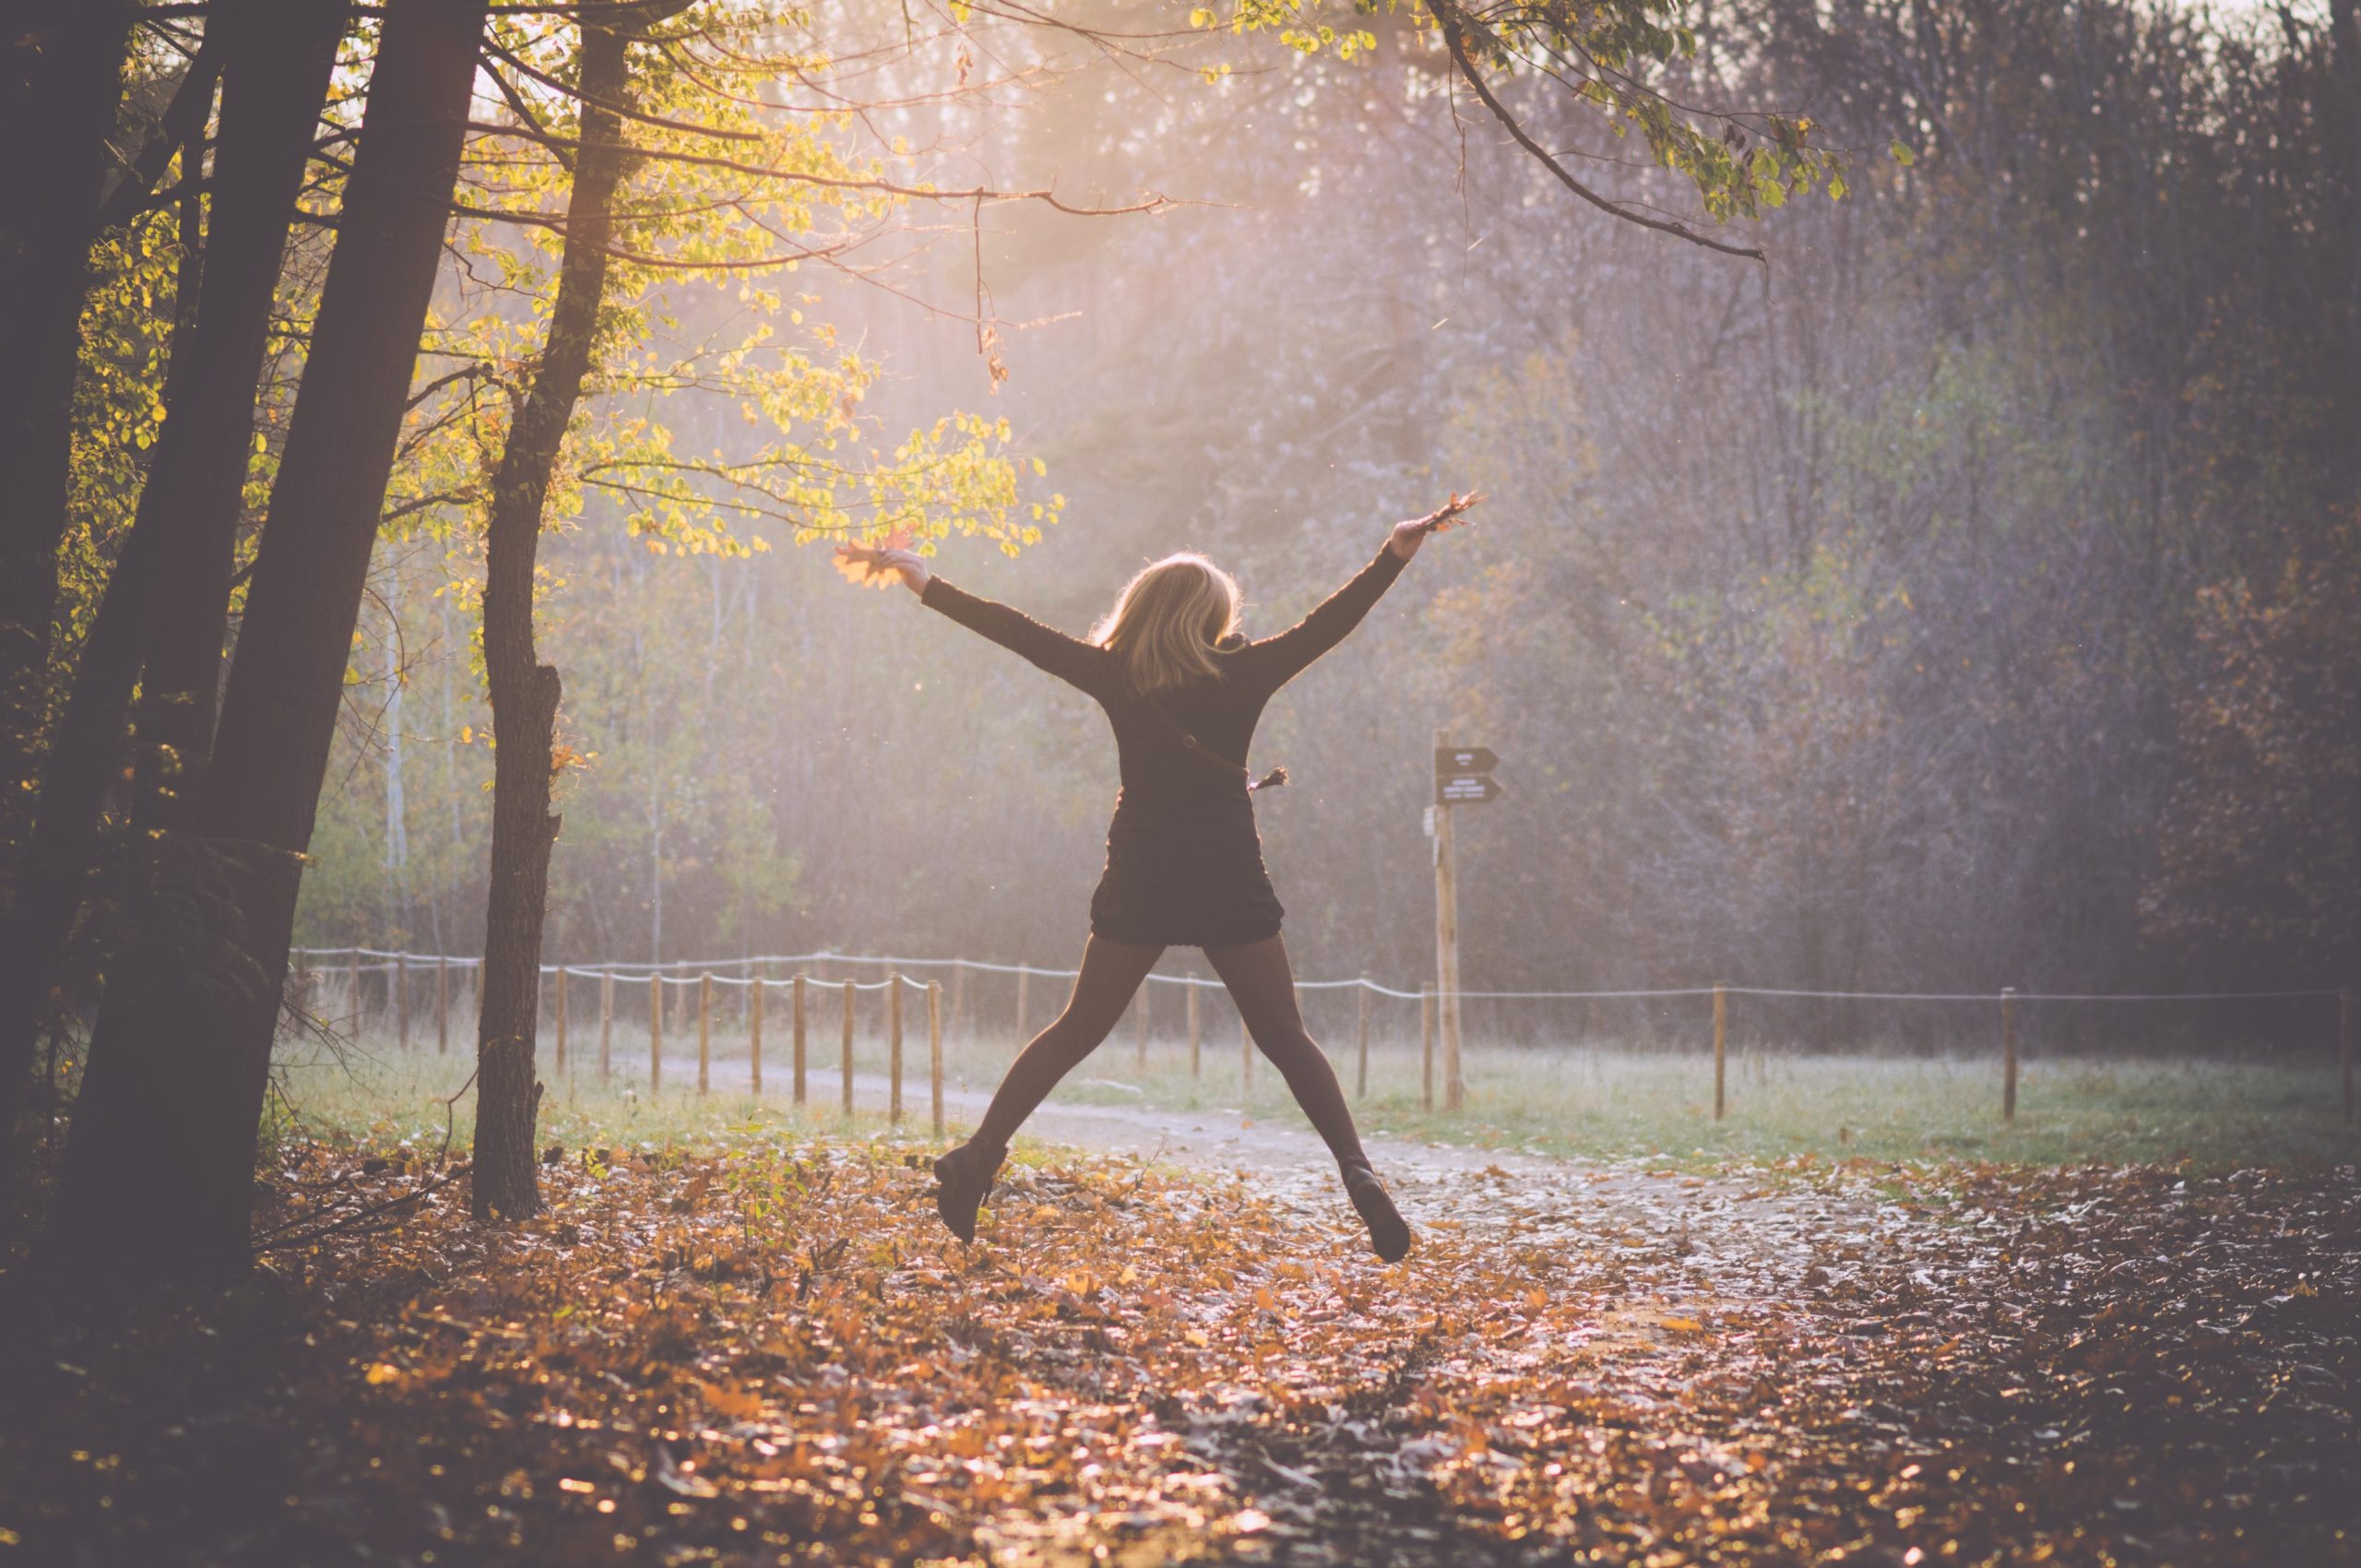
{"points": [[863, 565]]}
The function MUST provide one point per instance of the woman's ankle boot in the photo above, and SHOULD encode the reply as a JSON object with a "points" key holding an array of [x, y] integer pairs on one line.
{"points": [[1389, 1234], [964, 1179]]}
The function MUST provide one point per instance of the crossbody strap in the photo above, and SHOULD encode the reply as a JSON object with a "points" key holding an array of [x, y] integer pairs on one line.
{"points": [[1270, 781]]}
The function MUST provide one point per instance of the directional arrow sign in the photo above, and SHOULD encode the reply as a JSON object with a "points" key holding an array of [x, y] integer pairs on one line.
{"points": [[1467, 789], [1464, 759]]}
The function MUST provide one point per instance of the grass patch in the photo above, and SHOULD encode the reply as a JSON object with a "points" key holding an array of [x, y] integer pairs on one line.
{"points": [[1594, 1101]]}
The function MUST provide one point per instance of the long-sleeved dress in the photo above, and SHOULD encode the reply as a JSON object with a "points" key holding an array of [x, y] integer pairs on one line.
{"points": [[1184, 862]]}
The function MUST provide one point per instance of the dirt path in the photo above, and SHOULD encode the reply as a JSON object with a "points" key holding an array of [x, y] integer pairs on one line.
{"points": [[1705, 1241]]}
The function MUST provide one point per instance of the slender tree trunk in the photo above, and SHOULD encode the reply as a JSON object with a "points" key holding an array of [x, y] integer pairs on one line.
{"points": [[179, 1063], [275, 80], [65, 84], [525, 692], [2344, 20]]}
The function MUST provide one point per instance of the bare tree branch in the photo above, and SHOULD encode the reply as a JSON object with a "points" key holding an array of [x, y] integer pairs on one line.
{"points": [[1454, 37]]}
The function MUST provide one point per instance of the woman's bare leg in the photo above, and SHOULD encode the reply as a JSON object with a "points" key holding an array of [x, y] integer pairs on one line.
{"points": [[1111, 972]]}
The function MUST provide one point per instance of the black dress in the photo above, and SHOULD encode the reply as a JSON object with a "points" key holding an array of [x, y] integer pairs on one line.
{"points": [[1184, 862]]}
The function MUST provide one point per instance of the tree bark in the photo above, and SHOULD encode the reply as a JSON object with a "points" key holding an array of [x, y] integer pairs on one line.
{"points": [[186, 631], [65, 84], [160, 1173], [275, 81], [2345, 22], [524, 691]]}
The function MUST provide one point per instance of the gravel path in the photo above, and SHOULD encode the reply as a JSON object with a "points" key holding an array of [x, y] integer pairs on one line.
{"points": [[1700, 1237]]}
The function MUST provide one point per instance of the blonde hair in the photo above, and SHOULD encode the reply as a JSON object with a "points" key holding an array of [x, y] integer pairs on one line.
{"points": [[1167, 619]]}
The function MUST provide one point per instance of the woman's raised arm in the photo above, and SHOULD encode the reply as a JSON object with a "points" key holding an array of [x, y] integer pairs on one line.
{"points": [[1070, 659], [1281, 659], [1078, 663], [1275, 660]]}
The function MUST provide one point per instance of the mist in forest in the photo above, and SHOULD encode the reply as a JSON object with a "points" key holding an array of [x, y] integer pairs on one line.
{"points": [[1961, 597]]}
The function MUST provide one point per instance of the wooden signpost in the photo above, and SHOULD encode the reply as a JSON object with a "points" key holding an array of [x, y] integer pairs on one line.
{"points": [[1463, 777]]}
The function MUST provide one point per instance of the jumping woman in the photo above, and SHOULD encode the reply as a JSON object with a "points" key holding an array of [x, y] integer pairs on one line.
{"points": [[1184, 690]]}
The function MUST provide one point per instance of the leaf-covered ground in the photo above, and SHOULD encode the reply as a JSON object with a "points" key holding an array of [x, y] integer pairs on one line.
{"points": [[776, 1355]]}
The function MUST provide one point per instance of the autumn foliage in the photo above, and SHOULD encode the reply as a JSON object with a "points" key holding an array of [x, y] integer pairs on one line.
{"points": [[774, 1354]]}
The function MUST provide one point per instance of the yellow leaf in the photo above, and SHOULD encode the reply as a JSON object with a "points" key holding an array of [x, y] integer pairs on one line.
{"points": [[1684, 1325], [380, 1372]]}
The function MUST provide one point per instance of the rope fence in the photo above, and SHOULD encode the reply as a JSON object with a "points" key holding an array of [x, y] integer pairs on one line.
{"points": [[685, 989]]}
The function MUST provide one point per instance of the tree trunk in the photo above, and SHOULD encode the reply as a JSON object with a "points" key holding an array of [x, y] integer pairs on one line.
{"points": [[186, 632], [524, 691], [160, 1173], [2345, 21], [276, 78], [56, 119]]}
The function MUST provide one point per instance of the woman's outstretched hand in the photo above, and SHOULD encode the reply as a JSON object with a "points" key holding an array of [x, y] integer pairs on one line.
{"points": [[1407, 537], [880, 564]]}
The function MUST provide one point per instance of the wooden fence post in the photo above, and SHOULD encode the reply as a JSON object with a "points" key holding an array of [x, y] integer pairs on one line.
{"points": [[849, 993], [797, 1011], [1196, 1034], [561, 1019], [754, 984], [934, 1049], [705, 1031], [606, 1022], [442, 1004], [1447, 985], [1721, 1029], [353, 988], [1023, 977], [401, 1000], [655, 1030], [1426, 1046], [894, 1046], [2009, 1053], [1360, 1041], [2344, 1044]]}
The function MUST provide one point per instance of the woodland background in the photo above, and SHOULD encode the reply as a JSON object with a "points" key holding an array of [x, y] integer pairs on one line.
{"points": [[1964, 597]]}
